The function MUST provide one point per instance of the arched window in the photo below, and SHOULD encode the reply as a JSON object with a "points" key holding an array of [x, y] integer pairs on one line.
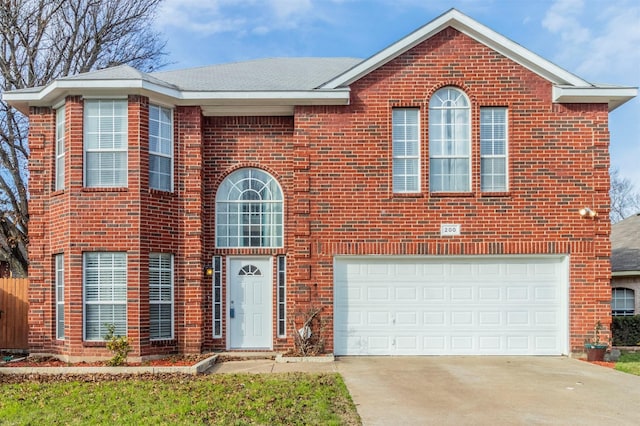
{"points": [[622, 301], [449, 141], [249, 210]]}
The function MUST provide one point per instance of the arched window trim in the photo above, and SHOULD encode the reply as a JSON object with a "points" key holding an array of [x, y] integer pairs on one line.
{"points": [[249, 210], [449, 141]]}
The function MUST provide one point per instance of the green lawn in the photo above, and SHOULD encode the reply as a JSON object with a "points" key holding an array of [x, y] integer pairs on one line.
{"points": [[225, 399], [629, 363]]}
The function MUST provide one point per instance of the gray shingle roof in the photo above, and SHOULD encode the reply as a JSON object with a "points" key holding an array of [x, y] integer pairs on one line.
{"points": [[275, 74], [120, 72], [625, 245]]}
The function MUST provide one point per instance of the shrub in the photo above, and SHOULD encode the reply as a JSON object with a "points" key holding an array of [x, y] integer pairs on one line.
{"points": [[626, 331], [118, 345]]}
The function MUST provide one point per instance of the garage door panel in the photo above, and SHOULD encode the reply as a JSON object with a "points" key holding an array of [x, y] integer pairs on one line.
{"points": [[413, 306]]}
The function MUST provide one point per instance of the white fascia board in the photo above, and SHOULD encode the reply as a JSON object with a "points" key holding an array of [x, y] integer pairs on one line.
{"points": [[303, 97], [612, 96], [58, 89], [625, 274], [471, 28]]}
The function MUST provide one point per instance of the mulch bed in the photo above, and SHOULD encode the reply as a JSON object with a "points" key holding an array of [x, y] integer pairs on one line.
{"points": [[169, 361], [601, 363]]}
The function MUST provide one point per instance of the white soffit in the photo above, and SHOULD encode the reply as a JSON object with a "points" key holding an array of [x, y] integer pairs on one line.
{"points": [[613, 96]]}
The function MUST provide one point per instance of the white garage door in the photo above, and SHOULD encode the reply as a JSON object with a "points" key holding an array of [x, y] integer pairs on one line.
{"points": [[387, 305]]}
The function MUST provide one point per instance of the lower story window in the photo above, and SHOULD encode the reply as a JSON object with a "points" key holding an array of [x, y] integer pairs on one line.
{"points": [[105, 294], [59, 262], [160, 296], [622, 302]]}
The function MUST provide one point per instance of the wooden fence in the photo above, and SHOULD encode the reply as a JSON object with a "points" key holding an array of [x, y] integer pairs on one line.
{"points": [[14, 304]]}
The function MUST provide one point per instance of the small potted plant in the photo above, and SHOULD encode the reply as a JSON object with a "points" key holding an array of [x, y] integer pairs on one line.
{"points": [[594, 346]]}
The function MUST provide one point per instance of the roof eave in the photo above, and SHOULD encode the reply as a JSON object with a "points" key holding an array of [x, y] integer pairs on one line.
{"points": [[625, 273], [59, 89], [612, 96]]}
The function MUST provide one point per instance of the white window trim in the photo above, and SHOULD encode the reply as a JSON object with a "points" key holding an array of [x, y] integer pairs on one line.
{"points": [[468, 157], [85, 302], [160, 154], [505, 156], [60, 155], [170, 302], [407, 157], [59, 290], [87, 151]]}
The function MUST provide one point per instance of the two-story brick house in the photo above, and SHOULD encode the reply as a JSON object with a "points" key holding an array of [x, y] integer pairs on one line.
{"points": [[427, 198]]}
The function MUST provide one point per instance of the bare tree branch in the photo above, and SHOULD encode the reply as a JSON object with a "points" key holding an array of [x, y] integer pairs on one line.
{"points": [[625, 199], [41, 40]]}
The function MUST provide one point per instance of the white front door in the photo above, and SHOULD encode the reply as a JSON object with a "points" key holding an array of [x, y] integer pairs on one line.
{"points": [[249, 303]]}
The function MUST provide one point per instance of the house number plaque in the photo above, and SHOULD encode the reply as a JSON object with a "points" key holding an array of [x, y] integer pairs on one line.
{"points": [[448, 229]]}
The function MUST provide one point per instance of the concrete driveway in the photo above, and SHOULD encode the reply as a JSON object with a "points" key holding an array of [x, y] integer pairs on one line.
{"points": [[489, 391]]}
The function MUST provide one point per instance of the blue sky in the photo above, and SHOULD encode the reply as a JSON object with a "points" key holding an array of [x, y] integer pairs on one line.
{"points": [[599, 40]]}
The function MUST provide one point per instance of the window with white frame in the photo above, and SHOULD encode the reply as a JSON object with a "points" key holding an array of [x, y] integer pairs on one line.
{"points": [[59, 267], [449, 141], [622, 302], [493, 149], [282, 296], [406, 149], [217, 296], [160, 148], [249, 210], [60, 149], [105, 143], [105, 294], [160, 296]]}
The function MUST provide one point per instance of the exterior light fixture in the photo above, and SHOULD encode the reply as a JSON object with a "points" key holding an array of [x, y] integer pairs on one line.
{"points": [[208, 271], [587, 212]]}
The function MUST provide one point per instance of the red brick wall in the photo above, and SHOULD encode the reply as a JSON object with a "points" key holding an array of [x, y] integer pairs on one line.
{"points": [[334, 166]]}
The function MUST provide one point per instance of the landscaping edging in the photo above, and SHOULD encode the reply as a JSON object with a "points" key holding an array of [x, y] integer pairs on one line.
{"points": [[323, 358], [198, 368]]}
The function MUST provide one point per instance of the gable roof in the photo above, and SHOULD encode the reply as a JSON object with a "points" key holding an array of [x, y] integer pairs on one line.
{"points": [[625, 246], [275, 86]]}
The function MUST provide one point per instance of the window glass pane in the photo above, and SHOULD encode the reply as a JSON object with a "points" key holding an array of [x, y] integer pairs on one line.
{"points": [[449, 141], [493, 149], [406, 150], [105, 294], [249, 207]]}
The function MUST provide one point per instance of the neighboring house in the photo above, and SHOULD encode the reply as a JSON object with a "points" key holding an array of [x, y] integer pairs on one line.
{"points": [[427, 199], [5, 269], [625, 266]]}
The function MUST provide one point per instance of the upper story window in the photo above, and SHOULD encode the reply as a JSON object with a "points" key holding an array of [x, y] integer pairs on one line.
{"points": [[449, 141], [105, 143], [493, 149], [406, 150], [160, 148], [622, 301], [60, 149], [249, 210]]}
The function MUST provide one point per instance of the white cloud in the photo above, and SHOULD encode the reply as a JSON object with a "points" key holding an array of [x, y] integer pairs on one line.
{"points": [[210, 17], [562, 18], [599, 40]]}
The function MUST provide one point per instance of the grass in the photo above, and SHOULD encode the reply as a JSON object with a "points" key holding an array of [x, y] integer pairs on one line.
{"points": [[223, 399], [629, 363]]}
